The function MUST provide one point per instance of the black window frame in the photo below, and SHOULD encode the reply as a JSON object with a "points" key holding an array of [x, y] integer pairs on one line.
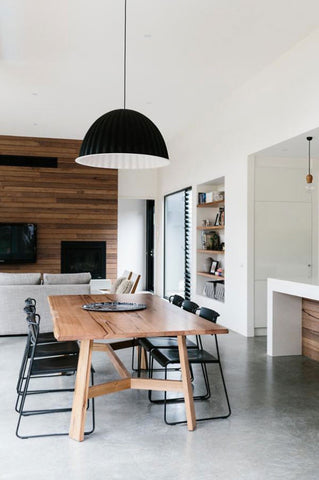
{"points": [[187, 242]]}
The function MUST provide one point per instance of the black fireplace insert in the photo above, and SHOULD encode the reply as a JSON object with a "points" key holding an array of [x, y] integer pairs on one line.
{"points": [[77, 257]]}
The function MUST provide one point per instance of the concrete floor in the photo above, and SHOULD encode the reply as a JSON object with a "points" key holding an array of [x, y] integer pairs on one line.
{"points": [[272, 434]]}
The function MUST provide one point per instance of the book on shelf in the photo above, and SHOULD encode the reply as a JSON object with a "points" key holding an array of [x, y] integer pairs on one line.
{"points": [[201, 198], [209, 197], [221, 216]]}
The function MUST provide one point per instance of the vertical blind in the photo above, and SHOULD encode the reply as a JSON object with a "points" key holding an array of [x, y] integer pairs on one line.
{"points": [[177, 243], [188, 241]]}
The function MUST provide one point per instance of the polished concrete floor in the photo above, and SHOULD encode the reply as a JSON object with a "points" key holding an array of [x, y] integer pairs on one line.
{"points": [[272, 434]]}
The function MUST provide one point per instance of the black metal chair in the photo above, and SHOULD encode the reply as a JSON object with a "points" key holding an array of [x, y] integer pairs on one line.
{"points": [[47, 337], [166, 357], [190, 306], [149, 343], [175, 300], [48, 366], [51, 349]]}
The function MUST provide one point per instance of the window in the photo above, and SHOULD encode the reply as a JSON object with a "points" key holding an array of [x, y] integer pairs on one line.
{"points": [[177, 243]]}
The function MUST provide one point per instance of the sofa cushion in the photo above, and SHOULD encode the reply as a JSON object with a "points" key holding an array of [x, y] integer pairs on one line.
{"points": [[20, 278], [66, 278], [125, 287]]}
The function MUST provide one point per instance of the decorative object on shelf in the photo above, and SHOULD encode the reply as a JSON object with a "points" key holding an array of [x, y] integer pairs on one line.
{"points": [[222, 246], [113, 306], [220, 292], [218, 196], [203, 240], [217, 220], [221, 216], [209, 289], [309, 177], [214, 241], [123, 138], [207, 264], [219, 272], [214, 267]]}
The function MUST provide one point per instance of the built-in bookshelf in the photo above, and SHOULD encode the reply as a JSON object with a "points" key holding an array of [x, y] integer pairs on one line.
{"points": [[210, 244]]}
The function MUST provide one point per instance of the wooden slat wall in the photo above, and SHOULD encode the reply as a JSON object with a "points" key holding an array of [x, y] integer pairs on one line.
{"points": [[71, 202], [310, 328]]}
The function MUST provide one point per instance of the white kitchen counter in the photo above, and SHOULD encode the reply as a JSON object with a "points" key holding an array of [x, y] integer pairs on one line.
{"points": [[284, 314]]}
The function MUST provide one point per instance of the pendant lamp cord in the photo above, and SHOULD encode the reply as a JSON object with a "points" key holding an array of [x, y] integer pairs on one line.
{"points": [[309, 140], [124, 72]]}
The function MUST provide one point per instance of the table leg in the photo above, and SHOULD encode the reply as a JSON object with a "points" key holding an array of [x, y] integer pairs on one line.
{"points": [[143, 359], [80, 396], [187, 384]]}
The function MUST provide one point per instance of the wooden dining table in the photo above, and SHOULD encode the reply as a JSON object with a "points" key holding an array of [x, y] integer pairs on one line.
{"points": [[160, 318]]}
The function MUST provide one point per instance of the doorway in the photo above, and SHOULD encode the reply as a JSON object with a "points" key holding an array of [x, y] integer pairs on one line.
{"points": [[284, 223], [150, 221]]}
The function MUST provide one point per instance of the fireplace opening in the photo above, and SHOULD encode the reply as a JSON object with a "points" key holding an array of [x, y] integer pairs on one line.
{"points": [[77, 257]]}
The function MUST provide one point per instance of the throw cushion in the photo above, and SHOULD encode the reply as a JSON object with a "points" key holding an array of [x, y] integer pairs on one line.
{"points": [[125, 287], [116, 284], [66, 278], [20, 278]]}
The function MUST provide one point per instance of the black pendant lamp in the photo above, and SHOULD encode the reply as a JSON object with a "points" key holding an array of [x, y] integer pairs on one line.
{"points": [[123, 138]]}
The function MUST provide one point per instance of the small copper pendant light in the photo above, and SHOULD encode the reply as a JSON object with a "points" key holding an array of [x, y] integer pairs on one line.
{"points": [[309, 177]]}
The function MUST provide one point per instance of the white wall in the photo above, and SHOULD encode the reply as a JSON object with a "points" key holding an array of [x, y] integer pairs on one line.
{"points": [[281, 102], [131, 238], [140, 184]]}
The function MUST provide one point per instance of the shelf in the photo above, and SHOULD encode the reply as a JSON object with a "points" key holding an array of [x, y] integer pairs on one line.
{"points": [[211, 228], [210, 204], [201, 250], [210, 275]]}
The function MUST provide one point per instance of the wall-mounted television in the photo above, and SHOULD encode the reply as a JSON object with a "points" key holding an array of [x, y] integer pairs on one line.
{"points": [[18, 243]]}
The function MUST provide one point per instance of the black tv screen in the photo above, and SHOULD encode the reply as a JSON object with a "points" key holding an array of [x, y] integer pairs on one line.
{"points": [[18, 242]]}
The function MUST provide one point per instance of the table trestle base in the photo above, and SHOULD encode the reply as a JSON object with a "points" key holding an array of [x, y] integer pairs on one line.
{"points": [[83, 392]]}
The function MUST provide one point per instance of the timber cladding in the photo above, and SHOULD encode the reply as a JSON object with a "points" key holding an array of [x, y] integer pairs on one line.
{"points": [[70, 202], [310, 328]]}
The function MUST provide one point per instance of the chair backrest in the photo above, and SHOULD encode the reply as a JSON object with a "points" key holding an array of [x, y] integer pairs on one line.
{"points": [[30, 301], [135, 278], [208, 314], [127, 274], [190, 306], [176, 300], [30, 309], [33, 321]]}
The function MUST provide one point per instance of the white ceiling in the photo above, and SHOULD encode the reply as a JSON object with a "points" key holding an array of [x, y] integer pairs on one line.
{"points": [[296, 147], [61, 60]]}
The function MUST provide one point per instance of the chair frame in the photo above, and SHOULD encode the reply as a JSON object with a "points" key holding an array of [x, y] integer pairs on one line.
{"points": [[46, 349], [33, 321], [135, 282], [175, 300], [146, 343], [207, 395]]}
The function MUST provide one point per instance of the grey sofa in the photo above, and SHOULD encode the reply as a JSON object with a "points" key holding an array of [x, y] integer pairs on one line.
{"points": [[16, 287]]}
